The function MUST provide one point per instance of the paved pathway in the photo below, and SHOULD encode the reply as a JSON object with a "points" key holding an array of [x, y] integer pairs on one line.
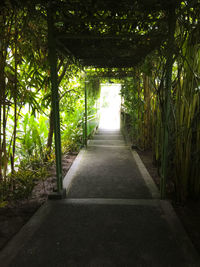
{"points": [[112, 216]]}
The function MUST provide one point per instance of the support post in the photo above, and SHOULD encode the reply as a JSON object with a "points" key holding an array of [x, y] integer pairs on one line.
{"points": [[167, 99], [55, 98], [86, 132]]}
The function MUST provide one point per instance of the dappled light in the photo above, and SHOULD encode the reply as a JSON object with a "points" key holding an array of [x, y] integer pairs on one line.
{"points": [[110, 106]]}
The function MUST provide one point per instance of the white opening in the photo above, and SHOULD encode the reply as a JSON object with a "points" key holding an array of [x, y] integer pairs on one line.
{"points": [[110, 102]]}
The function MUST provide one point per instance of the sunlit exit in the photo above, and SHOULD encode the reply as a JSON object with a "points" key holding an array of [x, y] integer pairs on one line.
{"points": [[110, 102]]}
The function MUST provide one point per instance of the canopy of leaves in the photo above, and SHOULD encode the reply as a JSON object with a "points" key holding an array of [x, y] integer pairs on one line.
{"points": [[110, 33]]}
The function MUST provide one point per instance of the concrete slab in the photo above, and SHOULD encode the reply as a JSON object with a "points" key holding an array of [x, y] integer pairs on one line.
{"points": [[103, 233], [107, 142], [110, 219], [146, 176], [107, 172], [73, 169], [108, 137], [111, 132]]}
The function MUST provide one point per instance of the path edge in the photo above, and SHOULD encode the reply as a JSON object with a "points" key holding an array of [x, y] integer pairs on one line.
{"points": [[11, 249], [67, 181], [180, 234], [146, 176]]}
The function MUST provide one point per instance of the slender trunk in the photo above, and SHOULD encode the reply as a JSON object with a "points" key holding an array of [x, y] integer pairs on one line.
{"points": [[145, 124], [139, 112], [2, 92], [3, 154], [147, 138], [5, 161], [55, 98], [51, 125], [2, 85], [11, 140], [167, 99], [14, 134], [5, 33], [15, 102]]}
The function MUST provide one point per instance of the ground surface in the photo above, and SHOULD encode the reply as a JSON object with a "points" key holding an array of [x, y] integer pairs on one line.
{"points": [[189, 213], [13, 217], [114, 179], [111, 217], [16, 214], [104, 233]]}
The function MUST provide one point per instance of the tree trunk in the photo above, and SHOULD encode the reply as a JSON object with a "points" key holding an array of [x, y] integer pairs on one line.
{"points": [[147, 139], [51, 125], [2, 86], [15, 102]]}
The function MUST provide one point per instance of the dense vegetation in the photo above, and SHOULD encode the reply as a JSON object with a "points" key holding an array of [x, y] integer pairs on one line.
{"points": [[144, 111], [26, 120]]}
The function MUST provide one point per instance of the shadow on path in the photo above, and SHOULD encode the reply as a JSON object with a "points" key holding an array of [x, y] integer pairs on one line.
{"points": [[110, 217]]}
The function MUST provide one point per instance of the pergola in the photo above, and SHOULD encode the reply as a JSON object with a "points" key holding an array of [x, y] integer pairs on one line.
{"points": [[112, 34], [108, 34]]}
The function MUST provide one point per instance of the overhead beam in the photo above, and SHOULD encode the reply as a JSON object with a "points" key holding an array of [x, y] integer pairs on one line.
{"points": [[67, 53], [116, 6], [134, 36]]}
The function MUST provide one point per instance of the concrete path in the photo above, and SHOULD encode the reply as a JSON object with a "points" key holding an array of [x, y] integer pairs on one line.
{"points": [[112, 216]]}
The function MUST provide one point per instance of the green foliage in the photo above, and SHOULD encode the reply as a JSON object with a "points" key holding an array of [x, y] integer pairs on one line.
{"points": [[25, 95], [187, 124], [132, 107], [20, 184], [25, 104], [72, 137], [23, 183], [33, 137], [3, 204], [143, 110], [17, 186]]}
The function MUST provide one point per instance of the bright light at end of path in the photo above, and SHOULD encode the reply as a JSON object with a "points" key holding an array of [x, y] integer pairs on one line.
{"points": [[110, 103]]}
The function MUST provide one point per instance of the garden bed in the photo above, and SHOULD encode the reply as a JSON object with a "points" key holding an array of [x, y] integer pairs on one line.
{"points": [[189, 213], [17, 213]]}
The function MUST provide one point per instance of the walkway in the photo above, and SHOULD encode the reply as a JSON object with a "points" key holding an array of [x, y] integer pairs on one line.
{"points": [[112, 217]]}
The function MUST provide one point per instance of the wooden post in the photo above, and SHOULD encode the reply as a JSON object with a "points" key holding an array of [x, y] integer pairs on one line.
{"points": [[55, 98]]}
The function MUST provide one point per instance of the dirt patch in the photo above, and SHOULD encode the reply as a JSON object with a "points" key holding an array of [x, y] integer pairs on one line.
{"points": [[189, 213], [16, 214]]}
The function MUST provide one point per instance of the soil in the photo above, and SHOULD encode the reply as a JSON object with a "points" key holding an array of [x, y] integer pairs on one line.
{"points": [[16, 214], [189, 213]]}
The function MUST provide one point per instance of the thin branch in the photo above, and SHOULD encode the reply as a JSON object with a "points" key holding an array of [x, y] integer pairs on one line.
{"points": [[63, 73], [67, 92]]}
